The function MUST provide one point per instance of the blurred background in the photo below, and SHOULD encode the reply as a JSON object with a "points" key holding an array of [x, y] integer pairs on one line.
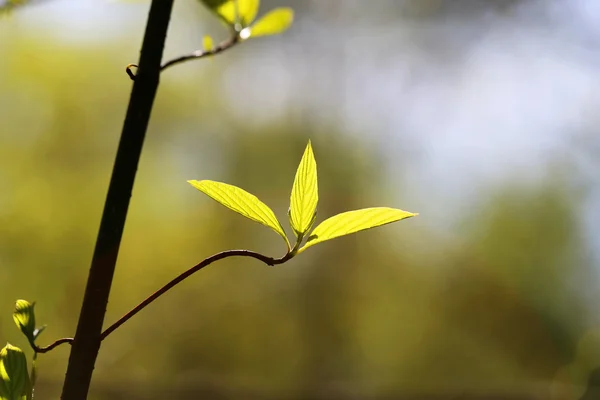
{"points": [[480, 115]]}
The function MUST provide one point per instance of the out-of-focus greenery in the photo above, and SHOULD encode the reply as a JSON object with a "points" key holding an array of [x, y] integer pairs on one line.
{"points": [[497, 309], [8, 5]]}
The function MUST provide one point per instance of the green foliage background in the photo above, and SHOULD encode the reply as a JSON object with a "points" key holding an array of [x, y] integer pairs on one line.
{"points": [[495, 308]]}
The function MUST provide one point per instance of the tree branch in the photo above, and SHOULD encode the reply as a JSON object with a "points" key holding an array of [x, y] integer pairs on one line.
{"points": [[86, 343], [198, 54]]}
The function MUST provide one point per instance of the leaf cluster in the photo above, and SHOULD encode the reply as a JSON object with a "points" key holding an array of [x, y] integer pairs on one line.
{"points": [[302, 212], [240, 17]]}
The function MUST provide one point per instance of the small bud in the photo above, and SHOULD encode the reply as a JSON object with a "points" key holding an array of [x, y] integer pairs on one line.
{"points": [[24, 317]]}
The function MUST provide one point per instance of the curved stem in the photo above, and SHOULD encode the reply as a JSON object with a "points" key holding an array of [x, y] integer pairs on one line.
{"points": [[198, 54], [51, 346], [207, 261], [221, 47]]}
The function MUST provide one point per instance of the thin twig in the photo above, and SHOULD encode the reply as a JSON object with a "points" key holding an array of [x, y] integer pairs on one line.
{"points": [[196, 55], [56, 343], [221, 47], [207, 261]]}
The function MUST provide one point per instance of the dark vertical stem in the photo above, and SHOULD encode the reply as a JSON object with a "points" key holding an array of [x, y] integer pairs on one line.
{"points": [[86, 343]]}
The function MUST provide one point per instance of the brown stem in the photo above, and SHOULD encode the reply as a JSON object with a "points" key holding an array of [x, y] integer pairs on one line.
{"points": [[204, 263], [86, 344], [51, 346], [221, 47], [207, 261]]}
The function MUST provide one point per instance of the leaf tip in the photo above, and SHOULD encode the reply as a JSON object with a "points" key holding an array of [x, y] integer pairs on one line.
{"points": [[309, 145]]}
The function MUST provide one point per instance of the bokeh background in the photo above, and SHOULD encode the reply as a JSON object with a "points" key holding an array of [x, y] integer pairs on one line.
{"points": [[480, 115]]}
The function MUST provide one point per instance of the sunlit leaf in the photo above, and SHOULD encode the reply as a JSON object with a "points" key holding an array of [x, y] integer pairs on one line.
{"points": [[274, 22], [354, 221], [24, 317], [14, 377], [241, 202], [305, 194], [235, 11]]}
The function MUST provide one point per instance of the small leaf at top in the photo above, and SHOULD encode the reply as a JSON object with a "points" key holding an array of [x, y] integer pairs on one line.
{"points": [[274, 22], [235, 11], [305, 194], [241, 202], [24, 317], [14, 377], [354, 221]]}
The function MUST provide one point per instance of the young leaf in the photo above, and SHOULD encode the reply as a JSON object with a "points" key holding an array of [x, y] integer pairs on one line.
{"points": [[274, 22], [354, 221], [305, 194], [241, 202], [235, 11], [14, 377], [24, 317]]}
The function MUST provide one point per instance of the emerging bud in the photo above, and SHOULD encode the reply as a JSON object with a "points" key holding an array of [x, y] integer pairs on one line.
{"points": [[24, 317]]}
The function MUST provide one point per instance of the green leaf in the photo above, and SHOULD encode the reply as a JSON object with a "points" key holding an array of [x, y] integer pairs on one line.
{"points": [[24, 317], [235, 12], [241, 202], [274, 22], [14, 377], [305, 194], [354, 221]]}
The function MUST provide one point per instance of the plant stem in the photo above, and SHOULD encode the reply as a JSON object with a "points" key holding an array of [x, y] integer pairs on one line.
{"points": [[221, 47], [181, 277], [195, 55], [86, 343], [51, 346], [207, 261]]}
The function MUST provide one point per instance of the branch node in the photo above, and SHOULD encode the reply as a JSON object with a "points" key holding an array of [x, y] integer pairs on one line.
{"points": [[129, 72]]}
